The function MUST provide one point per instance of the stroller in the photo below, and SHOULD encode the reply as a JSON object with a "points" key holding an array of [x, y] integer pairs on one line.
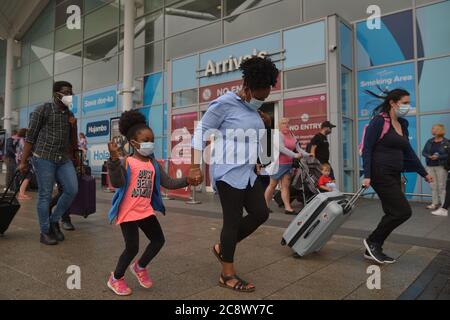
{"points": [[304, 181]]}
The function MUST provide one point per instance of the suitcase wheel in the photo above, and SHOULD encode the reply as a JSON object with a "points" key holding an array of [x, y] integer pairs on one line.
{"points": [[283, 242]]}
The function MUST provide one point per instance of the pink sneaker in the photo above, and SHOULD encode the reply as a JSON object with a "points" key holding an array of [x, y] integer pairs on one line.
{"points": [[119, 287], [141, 275]]}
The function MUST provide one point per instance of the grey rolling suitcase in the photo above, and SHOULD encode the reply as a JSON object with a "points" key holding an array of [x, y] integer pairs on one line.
{"points": [[318, 221]]}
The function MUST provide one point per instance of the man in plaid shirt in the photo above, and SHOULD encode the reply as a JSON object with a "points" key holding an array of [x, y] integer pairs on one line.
{"points": [[51, 140]]}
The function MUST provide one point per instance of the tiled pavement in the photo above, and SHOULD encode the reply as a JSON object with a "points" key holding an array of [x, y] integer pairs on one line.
{"points": [[186, 268]]}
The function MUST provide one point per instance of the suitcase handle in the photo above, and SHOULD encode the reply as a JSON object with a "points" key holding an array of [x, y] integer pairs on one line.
{"points": [[351, 202], [311, 229], [11, 182]]}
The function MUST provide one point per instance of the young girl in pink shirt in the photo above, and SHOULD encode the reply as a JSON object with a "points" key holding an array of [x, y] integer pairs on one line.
{"points": [[138, 180]]}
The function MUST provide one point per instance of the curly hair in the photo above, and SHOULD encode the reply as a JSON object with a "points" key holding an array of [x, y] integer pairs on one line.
{"points": [[131, 122], [259, 73]]}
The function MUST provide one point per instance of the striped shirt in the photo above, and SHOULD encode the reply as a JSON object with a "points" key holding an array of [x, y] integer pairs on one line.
{"points": [[49, 132]]}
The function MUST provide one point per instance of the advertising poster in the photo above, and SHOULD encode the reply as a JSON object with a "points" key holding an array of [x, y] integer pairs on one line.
{"points": [[388, 78], [182, 132], [306, 114]]}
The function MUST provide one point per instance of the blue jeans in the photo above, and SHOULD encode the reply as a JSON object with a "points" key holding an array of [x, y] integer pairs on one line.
{"points": [[46, 173]]}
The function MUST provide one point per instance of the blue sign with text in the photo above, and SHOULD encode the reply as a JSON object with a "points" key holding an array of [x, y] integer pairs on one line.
{"points": [[97, 129], [100, 101]]}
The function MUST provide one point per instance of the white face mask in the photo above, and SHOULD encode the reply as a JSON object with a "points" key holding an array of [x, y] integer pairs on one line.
{"points": [[402, 110], [254, 104], [67, 100], [146, 148]]}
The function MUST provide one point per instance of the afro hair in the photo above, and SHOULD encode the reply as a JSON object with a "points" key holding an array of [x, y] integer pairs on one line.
{"points": [[131, 120], [259, 73]]}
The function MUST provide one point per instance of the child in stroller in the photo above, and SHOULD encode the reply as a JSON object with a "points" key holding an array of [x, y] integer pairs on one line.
{"points": [[304, 181]]}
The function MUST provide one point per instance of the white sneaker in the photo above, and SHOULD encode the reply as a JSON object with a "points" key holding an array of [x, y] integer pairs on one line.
{"points": [[440, 212], [432, 207]]}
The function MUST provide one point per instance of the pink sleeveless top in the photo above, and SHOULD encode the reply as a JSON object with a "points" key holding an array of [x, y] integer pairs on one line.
{"points": [[136, 203], [289, 143]]}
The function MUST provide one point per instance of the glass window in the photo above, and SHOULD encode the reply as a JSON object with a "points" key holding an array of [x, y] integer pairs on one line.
{"points": [[68, 59], [350, 9], [305, 77], [233, 7], [41, 69], [92, 4], [100, 74], [42, 47], [194, 41], [101, 20], [45, 22], [349, 181], [100, 48], [65, 37], [262, 20], [153, 89], [61, 14], [41, 91], [433, 84], [156, 120], [151, 5], [347, 143], [395, 35], [433, 30], [20, 97], [25, 53], [147, 59], [187, 15], [297, 53], [346, 40], [74, 77], [147, 29], [184, 98], [346, 94], [20, 76]]}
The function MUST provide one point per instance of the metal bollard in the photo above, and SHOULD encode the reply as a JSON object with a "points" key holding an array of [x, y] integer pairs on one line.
{"points": [[193, 199]]}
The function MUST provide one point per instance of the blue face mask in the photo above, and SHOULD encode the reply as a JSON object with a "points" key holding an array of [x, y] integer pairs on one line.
{"points": [[146, 148], [254, 104]]}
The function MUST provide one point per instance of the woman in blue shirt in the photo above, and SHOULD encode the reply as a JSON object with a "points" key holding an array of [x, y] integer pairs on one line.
{"points": [[237, 126]]}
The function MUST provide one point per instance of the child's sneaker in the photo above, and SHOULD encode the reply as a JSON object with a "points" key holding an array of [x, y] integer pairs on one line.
{"points": [[141, 275], [119, 287]]}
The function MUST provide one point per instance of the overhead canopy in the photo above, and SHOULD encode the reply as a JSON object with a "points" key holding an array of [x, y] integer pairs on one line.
{"points": [[16, 16]]}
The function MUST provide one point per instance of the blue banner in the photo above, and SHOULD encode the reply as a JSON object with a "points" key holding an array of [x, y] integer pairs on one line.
{"points": [[97, 129], [388, 78], [100, 100]]}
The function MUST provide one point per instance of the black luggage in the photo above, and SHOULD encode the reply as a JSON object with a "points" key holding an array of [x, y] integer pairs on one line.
{"points": [[9, 205]]}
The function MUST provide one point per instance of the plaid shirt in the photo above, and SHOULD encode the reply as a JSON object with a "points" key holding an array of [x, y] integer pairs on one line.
{"points": [[50, 133]]}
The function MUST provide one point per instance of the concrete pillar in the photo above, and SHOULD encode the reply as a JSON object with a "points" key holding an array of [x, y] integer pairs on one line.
{"points": [[9, 85], [334, 98], [128, 54]]}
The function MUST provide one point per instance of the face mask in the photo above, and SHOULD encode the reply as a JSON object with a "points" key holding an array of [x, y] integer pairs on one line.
{"points": [[146, 148], [254, 104], [402, 110], [67, 101]]}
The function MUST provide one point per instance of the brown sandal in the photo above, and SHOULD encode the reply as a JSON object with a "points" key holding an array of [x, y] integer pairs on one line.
{"points": [[240, 285]]}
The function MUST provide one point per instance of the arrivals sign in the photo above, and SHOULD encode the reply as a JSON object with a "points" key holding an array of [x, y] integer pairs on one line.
{"points": [[306, 114], [229, 65]]}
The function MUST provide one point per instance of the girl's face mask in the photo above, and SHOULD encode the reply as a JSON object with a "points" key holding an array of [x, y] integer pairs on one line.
{"points": [[145, 149]]}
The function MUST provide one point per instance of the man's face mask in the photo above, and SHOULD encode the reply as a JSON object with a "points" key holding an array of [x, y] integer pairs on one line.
{"points": [[67, 100]]}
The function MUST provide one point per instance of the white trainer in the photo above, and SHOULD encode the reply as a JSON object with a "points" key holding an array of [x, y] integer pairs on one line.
{"points": [[440, 212]]}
